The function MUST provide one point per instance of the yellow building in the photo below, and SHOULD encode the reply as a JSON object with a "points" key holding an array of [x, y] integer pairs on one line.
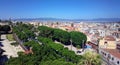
{"points": [[61, 27], [107, 42]]}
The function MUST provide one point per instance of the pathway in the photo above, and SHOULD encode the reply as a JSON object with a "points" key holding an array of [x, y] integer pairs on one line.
{"points": [[9, 49]]}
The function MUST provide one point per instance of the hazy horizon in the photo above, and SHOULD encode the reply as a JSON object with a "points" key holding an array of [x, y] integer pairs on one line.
{"points": [[63, 9]]}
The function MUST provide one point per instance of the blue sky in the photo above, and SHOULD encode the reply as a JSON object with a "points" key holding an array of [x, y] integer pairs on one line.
{"points": [[67, 9]]}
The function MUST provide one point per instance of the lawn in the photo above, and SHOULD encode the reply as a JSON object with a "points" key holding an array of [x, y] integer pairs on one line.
{"points": [[10, 37]]}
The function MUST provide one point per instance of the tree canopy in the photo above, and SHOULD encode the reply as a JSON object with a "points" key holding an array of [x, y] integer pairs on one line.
{"points": [[5, 28], [48, 52], [61, 36], [78, 38], [46, 31], [42, 54], [24, 31]]}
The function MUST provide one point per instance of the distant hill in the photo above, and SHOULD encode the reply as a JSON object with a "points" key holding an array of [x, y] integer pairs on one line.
{"points": [[107, 19], [58, 19], [42, 19]]}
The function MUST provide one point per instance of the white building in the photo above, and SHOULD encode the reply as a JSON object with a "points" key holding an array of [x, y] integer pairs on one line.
{"points": [[102, 33], [111, 55]]}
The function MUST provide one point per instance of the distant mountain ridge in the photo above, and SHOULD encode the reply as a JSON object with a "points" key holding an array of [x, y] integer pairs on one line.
{"points": [[59, 19]]}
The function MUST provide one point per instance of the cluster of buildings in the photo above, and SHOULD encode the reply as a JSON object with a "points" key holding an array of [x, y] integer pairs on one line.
{"points": [[104, 38]]}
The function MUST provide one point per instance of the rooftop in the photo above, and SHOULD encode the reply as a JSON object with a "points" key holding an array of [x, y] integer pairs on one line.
{"points": [[109, 38], [113, 52]]}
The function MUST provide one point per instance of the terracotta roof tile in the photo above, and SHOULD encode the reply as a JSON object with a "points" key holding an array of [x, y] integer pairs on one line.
{"points": [[109, 38]]}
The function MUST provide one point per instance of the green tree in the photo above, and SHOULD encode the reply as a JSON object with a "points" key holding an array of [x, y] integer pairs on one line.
{"points": [[22, 36], [57, 62], [29, 34], [6, 28], [78, 38], [46, 31], [62, 36]]}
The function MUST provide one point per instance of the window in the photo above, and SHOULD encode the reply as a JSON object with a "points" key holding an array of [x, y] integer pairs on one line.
{"points": [[105, 54], [102, 52], [112, 58], [117, 62], [109, 56], [105, 43]]}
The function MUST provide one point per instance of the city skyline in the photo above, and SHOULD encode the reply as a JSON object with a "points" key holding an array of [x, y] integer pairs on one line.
{"points": [[65, 9]]}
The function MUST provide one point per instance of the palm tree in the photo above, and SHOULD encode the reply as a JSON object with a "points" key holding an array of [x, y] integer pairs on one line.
{"points": [[90, 58]]}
